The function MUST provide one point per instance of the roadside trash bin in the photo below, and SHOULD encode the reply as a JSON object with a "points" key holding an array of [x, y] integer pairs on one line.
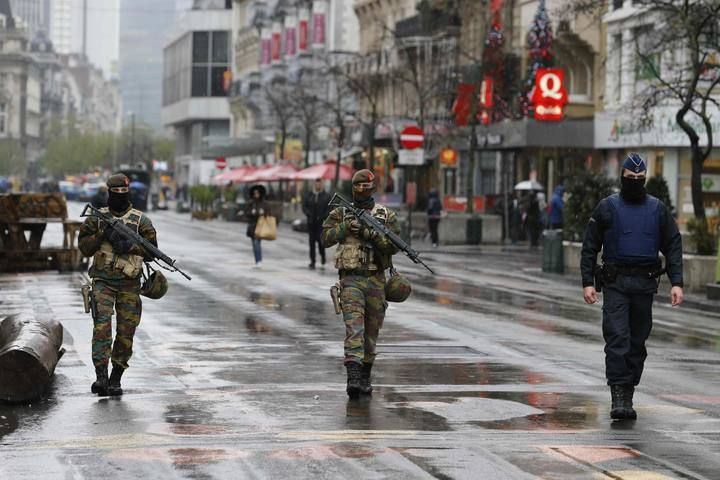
{"points": [[552, 261], [474, 231]]}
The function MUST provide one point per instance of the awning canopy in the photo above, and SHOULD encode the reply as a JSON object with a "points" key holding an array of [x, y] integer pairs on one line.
{"points": [[235, 175], [324, 171], [272, 173]]}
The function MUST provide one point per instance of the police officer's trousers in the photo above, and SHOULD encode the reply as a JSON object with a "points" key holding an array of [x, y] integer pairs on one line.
{"points": [[627, 321]]}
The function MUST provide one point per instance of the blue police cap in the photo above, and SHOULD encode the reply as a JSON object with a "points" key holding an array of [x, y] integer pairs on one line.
{"points": [[635, 163]]}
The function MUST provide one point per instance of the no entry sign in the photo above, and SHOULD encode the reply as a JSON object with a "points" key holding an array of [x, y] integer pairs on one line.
{"points": [[220, 163], [412, 137]]}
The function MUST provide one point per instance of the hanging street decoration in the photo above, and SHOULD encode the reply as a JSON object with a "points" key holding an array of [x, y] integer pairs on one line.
{"points": [[539, 41], [549, 95]]}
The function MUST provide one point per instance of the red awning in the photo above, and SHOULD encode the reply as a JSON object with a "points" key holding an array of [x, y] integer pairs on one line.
{"points": [[235, 175], [324, 171], [272, 173]]}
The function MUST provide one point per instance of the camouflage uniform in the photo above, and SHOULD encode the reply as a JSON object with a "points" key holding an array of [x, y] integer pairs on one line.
{"points": [[115, 288], [362, 256], [363, 287]]}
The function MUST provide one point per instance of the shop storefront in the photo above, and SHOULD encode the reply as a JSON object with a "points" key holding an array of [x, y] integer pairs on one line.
{"points": [[666, 148]]}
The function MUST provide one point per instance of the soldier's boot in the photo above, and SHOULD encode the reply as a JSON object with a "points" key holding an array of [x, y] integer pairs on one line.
{"points": [[618, 409], [629, 410], [365, 385], [100, 385], [114, 388], [354, 387]]}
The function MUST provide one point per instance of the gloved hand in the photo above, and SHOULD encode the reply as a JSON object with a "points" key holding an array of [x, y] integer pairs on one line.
{"points": [[354, 227], [120, 245], [369, 234]]}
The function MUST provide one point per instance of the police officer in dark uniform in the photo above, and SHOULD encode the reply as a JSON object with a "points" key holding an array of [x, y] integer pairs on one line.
{"points": [[631, 228]]}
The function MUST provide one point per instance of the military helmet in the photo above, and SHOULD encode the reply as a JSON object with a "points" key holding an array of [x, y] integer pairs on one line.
{"points": [[398, 288], [155, 286], [118, 180]]}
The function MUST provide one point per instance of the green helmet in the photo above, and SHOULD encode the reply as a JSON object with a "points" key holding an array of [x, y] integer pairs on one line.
{"points": [[156, 286], [398, 288]]}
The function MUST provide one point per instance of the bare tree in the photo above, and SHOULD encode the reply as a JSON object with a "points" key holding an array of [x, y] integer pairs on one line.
{"points": [[309, 108], [677, 44], [281, 106], [365, 76]]}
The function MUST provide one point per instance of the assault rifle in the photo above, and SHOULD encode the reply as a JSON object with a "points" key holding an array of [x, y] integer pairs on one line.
{"points": [[129, 234], [367, 220]]}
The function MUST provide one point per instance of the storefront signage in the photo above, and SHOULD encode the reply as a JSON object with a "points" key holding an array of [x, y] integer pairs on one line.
{"points": [[276, 42], [449, 157], [549, 95], [710, 183], [265, 46], [490, 140]]}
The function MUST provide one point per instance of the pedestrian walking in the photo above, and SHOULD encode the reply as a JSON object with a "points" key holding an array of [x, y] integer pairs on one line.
{"points": [[362, 256], [315, 207], [631, 228], [532, 219], [116, 272], [257, 207], [434, 213], [557, 205]]}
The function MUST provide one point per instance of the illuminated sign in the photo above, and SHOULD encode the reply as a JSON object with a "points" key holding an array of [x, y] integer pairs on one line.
{"points": [[549, 95]]}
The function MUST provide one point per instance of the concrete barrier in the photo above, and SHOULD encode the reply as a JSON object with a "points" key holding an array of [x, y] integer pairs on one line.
{"points": [[453, 228], [698, 270]]}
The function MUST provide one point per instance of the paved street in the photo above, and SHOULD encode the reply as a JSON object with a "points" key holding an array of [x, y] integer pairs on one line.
{"points": [[491, 370]]}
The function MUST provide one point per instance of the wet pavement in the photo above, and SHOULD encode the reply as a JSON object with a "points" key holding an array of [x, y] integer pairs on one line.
{"points": [[490, 370]]}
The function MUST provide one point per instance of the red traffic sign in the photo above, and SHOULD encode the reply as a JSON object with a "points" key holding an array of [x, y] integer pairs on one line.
{"points": [[220, 163], [412, 137]]}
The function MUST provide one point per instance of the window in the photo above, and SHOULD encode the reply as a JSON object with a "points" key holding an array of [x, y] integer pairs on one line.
{"points": [[617, 4], [210, 54]]}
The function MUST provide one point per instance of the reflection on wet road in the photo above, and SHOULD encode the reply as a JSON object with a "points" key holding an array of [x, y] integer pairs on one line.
{"points": [[489, 371]]}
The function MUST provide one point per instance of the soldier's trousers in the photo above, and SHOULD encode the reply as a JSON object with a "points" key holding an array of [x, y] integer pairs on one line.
{"points": [[627, 321], [128, 307], [363, 306]]}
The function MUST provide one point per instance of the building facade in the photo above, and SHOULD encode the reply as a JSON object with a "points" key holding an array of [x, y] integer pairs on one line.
{"points": [[142, 39], [34, 15], [196, 81]]}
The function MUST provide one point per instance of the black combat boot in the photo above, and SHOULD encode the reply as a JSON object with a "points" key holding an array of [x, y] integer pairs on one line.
{"points": [[100, 385], [629, 410], [365, 385], [354, 386], [114, 388], [619, 409]]}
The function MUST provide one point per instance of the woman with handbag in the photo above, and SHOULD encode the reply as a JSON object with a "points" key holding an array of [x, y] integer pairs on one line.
{"points": [[257, 209]]}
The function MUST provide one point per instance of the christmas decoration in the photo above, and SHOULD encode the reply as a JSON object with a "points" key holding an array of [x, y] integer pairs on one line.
{"points": [[539, 40], [493, 60]]}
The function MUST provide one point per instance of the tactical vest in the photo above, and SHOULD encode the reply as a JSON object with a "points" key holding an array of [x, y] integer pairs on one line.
{"points": [[354, 253], [107, 260], [634, 237]]}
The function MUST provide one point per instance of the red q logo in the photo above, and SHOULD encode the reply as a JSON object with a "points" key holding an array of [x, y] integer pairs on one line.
{"points": [[549, 95]]}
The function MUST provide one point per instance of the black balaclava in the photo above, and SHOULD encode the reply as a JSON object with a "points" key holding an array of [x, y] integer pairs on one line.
{"points": [[118, 202], [632, 189], [362, 197]]}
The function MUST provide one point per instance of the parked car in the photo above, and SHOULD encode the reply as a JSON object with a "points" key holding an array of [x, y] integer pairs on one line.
{"points": [[71, 190], [88, 191]]}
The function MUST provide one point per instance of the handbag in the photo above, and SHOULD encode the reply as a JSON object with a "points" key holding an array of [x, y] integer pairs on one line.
{"points": [[266, 228]]}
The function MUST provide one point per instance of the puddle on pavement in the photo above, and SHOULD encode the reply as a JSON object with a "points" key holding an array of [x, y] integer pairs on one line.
{"points": [[559, 411], [14, 416], [442, 372]]}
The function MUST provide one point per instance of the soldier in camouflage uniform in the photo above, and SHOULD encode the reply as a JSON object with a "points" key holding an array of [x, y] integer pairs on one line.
{"points": [[362, 256], [116, 271]]}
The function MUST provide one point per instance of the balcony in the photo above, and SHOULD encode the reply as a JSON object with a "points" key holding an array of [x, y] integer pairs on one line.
{"points": [[433, 23]]}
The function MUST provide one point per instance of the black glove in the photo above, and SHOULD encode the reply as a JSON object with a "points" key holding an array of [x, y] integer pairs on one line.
{"points": [[120, 245]]}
